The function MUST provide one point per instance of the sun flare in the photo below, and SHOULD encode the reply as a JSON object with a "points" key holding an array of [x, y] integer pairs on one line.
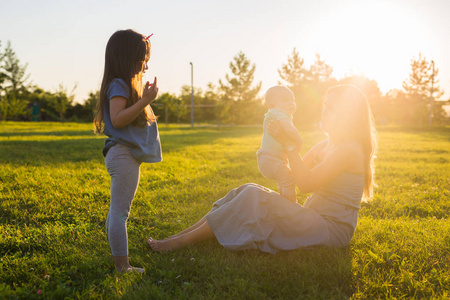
{"points": [[370, 39]]}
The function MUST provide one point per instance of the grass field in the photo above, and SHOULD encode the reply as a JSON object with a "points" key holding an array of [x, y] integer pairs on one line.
{"points": [[54, 198]]}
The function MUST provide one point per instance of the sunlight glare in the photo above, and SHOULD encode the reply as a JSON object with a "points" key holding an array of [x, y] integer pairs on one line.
{"points": [[377, 40]]}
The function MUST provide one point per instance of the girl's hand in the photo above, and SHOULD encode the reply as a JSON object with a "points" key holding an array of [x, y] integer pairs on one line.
{"points": [[150, 91], [275, 130]]}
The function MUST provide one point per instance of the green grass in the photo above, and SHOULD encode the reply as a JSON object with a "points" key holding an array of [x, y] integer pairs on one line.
{"points": [[54, 198]]}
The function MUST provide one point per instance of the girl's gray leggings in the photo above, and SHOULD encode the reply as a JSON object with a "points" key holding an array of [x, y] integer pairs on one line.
{"points": [[124, 171]]}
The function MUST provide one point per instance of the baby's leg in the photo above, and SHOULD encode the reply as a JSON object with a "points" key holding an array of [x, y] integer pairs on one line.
{"points": [[289, 195], [277, 168], [266, 165], [288, 192], [286, 182]]}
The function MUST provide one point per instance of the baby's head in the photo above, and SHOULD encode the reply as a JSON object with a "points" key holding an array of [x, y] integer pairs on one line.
{"points": [[281, 97]]}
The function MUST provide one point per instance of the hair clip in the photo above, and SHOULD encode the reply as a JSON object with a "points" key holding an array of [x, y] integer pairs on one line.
{"points": [[147, 38]]}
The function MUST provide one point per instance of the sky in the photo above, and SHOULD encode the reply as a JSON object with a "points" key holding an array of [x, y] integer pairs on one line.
{"points": [[63, 42]]}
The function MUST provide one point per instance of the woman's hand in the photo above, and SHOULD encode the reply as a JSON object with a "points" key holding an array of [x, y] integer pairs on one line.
{"points": [[275, 130], [150, 91]]}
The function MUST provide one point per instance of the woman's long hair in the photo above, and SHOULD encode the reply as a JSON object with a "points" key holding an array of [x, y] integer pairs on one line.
{"points": [[126, 53], [358, 124]]}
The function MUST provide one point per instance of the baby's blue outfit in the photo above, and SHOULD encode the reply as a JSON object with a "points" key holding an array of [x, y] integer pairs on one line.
{"points": [[272, 160], [143, 142]]}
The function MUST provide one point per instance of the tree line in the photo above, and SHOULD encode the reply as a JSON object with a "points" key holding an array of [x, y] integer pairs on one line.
{"points": [[18, 96], [236, 99]]}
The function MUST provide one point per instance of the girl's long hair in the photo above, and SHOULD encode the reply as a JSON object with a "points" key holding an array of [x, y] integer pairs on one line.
{"points": [[126, 53], [360, 126]]}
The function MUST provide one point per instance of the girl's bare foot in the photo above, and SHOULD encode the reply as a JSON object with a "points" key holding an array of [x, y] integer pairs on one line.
{"points": [[123, 266], [164, 245], [133, 269]]}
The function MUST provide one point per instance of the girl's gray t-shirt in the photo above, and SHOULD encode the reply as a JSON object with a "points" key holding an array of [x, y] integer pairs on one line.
{"points": [[143, 142]]}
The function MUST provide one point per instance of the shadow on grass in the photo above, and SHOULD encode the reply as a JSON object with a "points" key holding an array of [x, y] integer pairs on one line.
{"points": [[87, 149], [48, 133], [209, 271], [179, 138], [38, 153]]}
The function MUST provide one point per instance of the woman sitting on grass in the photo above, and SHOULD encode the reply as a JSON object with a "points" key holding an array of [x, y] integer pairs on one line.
{"points": [[339, 171]]}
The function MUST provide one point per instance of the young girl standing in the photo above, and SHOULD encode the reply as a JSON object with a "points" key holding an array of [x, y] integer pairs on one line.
{"points": [[125, 116]]}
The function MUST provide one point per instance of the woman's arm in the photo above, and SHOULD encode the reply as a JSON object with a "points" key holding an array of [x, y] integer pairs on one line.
{"points": [[277, 130], [121, 115], [309, 158], [309, 177], [336, 162]]}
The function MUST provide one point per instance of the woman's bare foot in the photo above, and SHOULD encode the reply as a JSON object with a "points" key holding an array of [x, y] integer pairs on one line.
{"points": [[193, 227], [165, 245], [201, 233]]}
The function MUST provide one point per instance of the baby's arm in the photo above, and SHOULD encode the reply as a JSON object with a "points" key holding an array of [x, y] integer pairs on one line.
{"points": [[291, 131]]}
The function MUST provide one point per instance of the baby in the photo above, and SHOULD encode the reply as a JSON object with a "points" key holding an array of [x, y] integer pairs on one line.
{"points": [[272, 159]]}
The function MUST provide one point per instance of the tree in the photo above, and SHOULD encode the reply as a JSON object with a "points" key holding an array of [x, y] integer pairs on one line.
{"points": [[62, 101], [239, 95], [320, 71], [2, 74], [12, 84], [315, 89], [417, 88], [91, 102], [439, 113], [83, 111], [293, 73], [221, 109], [45, 100], [169, 108], [4, 107], [14, 73], [17, 106], [395, 108], [309, 86]]}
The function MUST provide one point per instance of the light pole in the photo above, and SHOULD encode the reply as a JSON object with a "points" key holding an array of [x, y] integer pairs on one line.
{"points": [[192, 94], [431, 95]]}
